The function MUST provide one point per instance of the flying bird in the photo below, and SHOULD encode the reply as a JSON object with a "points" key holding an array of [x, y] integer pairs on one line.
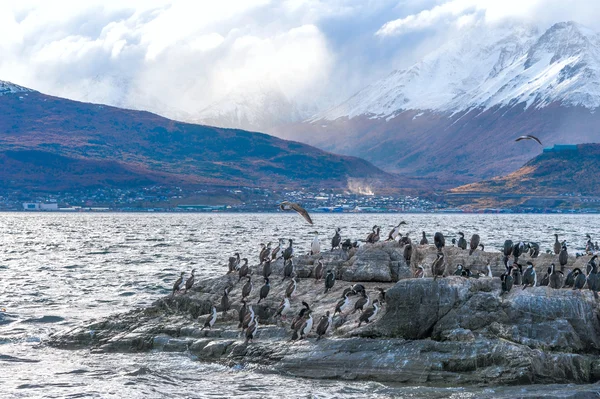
{"points": [[529, 137], [292, 206]]}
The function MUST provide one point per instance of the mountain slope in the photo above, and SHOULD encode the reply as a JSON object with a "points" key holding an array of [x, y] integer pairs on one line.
{"points": [[54, 143], [572, 170], [560, 175], [472, 96]]}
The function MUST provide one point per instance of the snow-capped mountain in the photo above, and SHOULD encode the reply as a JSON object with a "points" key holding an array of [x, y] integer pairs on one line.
{"points": [[11, 88], [257, 108], [485, 68], [455, 114]]}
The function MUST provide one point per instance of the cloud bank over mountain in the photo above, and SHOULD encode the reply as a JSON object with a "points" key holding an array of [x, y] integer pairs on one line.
{"points": [[180, 58]]}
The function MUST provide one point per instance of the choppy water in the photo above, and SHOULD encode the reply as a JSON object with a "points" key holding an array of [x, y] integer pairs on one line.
{"points": [[58, 270]]}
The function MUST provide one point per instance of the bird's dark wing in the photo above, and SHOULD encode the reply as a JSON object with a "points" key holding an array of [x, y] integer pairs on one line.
{"points": [[529, 137], [302, 212]]}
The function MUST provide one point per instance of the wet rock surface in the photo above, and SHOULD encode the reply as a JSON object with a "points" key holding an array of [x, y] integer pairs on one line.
{"points": [[452, 330]]}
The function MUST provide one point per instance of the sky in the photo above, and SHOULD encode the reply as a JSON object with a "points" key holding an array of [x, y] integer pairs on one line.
{"points": [[178, 57]]}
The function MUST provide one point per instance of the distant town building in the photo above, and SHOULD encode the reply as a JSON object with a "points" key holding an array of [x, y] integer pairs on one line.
{"points": [[37, 206], [561, 148]]}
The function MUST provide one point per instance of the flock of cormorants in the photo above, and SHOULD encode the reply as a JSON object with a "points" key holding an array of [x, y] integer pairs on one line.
{"points": [[302, 323]]}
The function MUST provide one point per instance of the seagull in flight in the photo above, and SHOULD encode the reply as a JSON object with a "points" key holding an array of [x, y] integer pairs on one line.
{"points": [[292, 206], [529, 137]]}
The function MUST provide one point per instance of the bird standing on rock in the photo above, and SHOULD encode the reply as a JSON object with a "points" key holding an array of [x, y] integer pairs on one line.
{"points": [[329, 281], [474, 243], [424, 240], [343, 304], [288, 269], [264, 290], [556, 278], [252, 330], [225, 305], [373, 237], [318, 270], [439, 241], [438, 267], [368, 315], [461, 243], [289, 251], [177, 285], [395, 231], [244, 270], [247, 288], [284, 308], [291, 288], [557, 246], [323, 325], [563, 256], [315, 246], [190, 281], [529, 276], [234, 262], [211, 318], [336, 240]]}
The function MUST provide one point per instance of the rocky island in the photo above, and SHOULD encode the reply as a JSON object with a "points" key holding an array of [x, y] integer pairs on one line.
{"points": [[449, 331]]}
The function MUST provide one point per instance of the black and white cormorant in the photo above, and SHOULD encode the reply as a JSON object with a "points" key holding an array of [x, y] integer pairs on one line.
{"points": [[395, 231], [507, 281], [534, 249], [323, 326], [211, 318], [517, 274], [247, 288], [563, 256], [343, 304], [252, 330], [361, 302], [248, 318], [329, 281], [424, 240], [580, 279], [419, 272], [461, 243], [318, 270], [307, 325], [358, 289], [264, 290], [381, 297], [570, 279], [529, 276], [337, 239], [315, 246], [284, 308], [369, 314], [234, 262], [459, 270]]}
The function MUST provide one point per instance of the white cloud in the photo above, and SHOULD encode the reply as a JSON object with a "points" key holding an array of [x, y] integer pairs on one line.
{"points": [[177, 57]]}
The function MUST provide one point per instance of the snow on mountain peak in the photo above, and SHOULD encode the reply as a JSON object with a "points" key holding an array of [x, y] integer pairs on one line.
{"points": [[10, 88], [485, 67]]}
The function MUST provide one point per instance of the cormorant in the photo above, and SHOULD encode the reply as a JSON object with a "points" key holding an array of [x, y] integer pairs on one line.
{"points": [[288, 269], [177, 285], [563, 256], [424, 240], [291, 288], [361, 302], [318, 270], [247, 288], [211, 318], [461, 243], [292, 206], [315, 246], [557, 246], [234, 262], [368, 315], [190, 281], [329, 281], [323, 325], [557, 278], [337, 239], [529, 276], [244, 270], [395, 231], [225, 305], [251, 331], [474, 243], [267, 269], [438, 267], [264, 290], [439, 241]]}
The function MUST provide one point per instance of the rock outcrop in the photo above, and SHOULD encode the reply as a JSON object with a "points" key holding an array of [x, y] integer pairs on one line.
{"points": [[453, 330]]}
